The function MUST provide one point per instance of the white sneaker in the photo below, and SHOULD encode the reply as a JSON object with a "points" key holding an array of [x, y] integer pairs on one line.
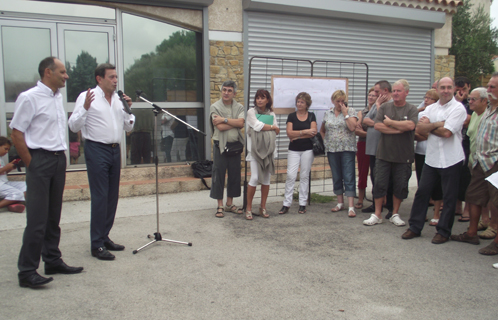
{"points": [[495, 266], [373, 220], [396, 220]]}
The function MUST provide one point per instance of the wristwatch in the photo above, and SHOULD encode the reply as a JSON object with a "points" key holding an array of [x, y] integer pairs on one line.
{"points": [[346, 117], [226, 120]]}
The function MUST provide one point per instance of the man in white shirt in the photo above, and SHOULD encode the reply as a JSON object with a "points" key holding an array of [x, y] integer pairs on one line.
{"points": [[99, 114], [39, 135], [442, 122]]}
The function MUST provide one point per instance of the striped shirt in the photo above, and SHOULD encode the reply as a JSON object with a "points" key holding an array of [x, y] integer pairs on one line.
{"points": [[487, 140]]}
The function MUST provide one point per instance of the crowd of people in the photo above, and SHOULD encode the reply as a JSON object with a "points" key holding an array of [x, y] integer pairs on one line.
{"points": [[451, 137], [456, 154]]}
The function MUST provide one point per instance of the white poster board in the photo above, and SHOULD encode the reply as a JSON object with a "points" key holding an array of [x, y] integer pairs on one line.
{"points": [[286, 88]]}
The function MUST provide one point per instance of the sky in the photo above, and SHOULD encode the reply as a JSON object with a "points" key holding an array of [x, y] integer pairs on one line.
{"points": [[494, 13]]}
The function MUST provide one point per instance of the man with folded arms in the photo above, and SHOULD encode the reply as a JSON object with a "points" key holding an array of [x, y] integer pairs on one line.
{"points": [[442, 123], [39, 135], [484, 164], [100, 116], [396, 122]]}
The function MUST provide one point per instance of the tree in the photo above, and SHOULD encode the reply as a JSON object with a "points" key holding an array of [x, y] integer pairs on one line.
{"points": [[474, 43], [172, 66], [81, 75]]}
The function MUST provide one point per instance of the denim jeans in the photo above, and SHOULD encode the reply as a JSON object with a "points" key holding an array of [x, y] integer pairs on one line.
{"points": [[343, 172]]}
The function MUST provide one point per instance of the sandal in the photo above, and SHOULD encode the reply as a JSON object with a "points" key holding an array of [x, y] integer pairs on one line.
{"points": [[219, 213], [359, 205], [302, 209], [482, 226], [463, 219], [434, 222], [262, 213], [338, 207], [233, 208], [351, 212], [248, 215], [284, 210]]}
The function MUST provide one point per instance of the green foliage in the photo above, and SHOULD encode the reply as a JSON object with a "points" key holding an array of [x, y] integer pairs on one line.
{"points": [[172, 66], [81, 75], [474, 42]]}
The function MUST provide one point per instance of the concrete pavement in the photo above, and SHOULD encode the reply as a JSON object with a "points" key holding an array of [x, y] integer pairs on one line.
{"points": [[319, 265]]}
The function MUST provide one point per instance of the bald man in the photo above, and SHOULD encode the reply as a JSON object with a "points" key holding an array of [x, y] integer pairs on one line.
{"points": [[442, 124]]}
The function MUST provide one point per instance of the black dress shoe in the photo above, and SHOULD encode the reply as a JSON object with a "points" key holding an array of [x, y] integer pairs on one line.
{"points": [[34, 281], [369, 209], [102, 254], [109, 245], [62, 268]]}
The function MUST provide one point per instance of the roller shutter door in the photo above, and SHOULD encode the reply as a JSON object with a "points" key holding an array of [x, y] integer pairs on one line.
{"points": [[392, 52]]}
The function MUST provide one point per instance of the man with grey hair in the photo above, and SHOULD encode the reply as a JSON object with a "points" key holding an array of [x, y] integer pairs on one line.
{"points": [[441, 123], [227, 120], [485, 163], [396, 122]]}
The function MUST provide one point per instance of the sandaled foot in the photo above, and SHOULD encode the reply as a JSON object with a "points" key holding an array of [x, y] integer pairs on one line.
{"points": [[262, 213], [489, 233], [248, 215], [351, 212], [434, 222], [482, 226], [359, 205], [463, 219], [338, 207], [219, 213], [284, 210], [233, 208], [490, 250], [302, 209]]}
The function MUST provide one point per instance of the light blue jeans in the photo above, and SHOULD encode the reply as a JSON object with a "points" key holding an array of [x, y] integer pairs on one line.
{"points": [[343, 172]]}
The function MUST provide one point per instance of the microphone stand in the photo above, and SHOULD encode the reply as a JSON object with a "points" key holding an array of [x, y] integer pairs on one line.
{"points": [[157, 235]]}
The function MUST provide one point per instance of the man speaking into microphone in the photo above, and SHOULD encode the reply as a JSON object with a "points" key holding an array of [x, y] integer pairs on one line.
{"points": [[101, 116]]}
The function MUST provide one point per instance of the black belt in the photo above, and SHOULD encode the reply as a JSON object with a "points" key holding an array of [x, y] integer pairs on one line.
{"points": [[55, 153], [112, 145]]}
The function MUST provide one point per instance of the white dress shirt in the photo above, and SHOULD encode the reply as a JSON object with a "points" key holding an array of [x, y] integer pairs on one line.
{"points": [[445, 152], [102, 122], [39, 114]]}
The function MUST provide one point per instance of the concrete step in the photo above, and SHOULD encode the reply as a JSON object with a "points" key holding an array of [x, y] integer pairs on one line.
{"points": [[140, 181]]}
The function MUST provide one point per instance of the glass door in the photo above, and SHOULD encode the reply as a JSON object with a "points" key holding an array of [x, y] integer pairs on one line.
{"points": [[23, 45], [82, 48]]}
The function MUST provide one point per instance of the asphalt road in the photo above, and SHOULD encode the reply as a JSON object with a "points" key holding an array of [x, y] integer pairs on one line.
{"points": [[318, 265]]}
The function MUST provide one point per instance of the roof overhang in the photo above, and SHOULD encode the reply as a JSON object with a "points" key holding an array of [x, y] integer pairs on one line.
{"points": [[353, 10]]}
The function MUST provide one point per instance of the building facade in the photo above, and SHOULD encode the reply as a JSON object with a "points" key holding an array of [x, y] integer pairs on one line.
{"points": [[179, 52]]}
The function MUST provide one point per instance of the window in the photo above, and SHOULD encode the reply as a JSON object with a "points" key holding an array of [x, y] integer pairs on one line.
{"points": [[162, 60]]}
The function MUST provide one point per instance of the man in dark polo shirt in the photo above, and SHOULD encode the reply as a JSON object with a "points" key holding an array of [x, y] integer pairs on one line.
{"points": [[396, 121]]}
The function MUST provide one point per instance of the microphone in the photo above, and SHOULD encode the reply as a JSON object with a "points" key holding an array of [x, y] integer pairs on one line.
{"points": [[125, 104]]}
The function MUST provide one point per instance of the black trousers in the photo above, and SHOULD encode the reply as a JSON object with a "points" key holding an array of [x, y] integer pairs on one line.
{"points": [[45, 180], [103, 163], [221, 165], [449, 179]]}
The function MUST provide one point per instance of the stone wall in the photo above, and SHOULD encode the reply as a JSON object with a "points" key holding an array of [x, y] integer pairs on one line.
{"points": [[226, 63], [444, 66]]}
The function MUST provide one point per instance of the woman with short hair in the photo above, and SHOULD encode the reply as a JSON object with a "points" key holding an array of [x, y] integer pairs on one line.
{"points": [[338, 132], [301, 126]]}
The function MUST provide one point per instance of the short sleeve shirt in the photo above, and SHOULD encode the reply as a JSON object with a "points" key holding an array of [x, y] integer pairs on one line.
{"points": [[338, 137], [397, 148], [305, 143]]}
